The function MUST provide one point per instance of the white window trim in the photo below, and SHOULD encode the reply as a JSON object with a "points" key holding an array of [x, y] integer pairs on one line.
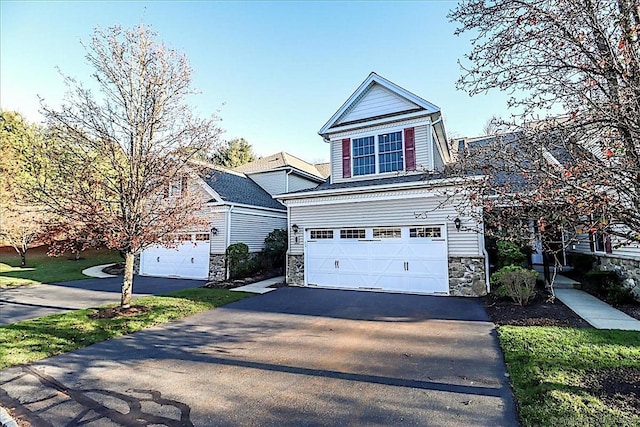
{"points": [[375, 134]]}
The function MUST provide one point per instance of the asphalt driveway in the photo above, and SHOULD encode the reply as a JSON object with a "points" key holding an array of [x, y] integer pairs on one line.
{"points": [[292, 357], [29, 302]]}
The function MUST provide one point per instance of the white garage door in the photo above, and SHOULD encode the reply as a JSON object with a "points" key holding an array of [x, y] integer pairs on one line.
{"points": [[189, 260], [405, 259]]}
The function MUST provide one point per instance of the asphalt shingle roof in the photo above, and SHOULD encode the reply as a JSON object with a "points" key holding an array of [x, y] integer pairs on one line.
{"points": [[238, 188], [372, 182], [279, 160]]}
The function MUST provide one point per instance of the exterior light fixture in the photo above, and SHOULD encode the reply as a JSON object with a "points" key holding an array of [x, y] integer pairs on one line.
{"points": [[457, 223], [214, 231], [295, 228]]}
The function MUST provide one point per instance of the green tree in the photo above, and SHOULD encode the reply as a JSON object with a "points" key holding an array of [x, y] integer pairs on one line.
{"points": [[119, 156], [234, 153]]}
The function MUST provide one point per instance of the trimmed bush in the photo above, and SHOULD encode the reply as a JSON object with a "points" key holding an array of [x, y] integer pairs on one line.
{"points": [[510, 254], [582, 263], [607, 286], [275, 249], [239, 262], [516, 283]]}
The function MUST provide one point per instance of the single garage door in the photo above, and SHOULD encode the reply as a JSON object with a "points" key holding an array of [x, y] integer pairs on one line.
{"points": [[189, 260], [404, 259]]}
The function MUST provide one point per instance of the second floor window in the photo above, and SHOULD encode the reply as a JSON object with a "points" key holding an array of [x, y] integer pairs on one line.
{"points": [[386, 148]]}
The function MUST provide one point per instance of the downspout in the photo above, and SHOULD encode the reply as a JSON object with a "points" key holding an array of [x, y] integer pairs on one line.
{"points": [[286, 261], [486, 260], [228, 239], [286, 181]]}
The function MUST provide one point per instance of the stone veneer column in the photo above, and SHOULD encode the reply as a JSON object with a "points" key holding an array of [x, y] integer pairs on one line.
{"points": [[467, 277], [136, 264], [627, 269], [295, 269], [217, 269]]}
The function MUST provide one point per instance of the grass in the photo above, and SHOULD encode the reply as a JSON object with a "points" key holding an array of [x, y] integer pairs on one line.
{"points": [[550, 368], [41, 268], [33, 340]]}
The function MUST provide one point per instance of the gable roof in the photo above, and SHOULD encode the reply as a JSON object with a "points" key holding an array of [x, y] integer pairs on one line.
{"points": [[277, 161], [375, 86], [324, 169], [235, 187]]}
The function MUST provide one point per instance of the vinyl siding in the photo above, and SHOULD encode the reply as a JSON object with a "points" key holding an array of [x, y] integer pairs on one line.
{"points": [[630, 251], [219, 242], [376, 101], [273, 182], [438, 163], [251, 228], [297, 183], [422, 136], [399, 212]]}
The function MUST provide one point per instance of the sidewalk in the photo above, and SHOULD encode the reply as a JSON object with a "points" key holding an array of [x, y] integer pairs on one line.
{"points": [[260, 287], [598, 314], [96, 271]]}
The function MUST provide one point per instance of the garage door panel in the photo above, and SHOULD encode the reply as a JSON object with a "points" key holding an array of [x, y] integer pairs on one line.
{"points": [[187, 260]]}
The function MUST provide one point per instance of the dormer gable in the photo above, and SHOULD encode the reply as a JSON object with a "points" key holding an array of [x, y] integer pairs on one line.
{"points": [[377, 99]]}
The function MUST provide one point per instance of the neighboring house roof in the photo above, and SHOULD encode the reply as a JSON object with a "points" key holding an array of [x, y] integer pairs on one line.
{"points": [[279, 160], [324, 169], [235, 187]]}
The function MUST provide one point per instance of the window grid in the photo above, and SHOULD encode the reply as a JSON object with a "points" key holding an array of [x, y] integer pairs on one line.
{"points": [[390, 152], [321, 234], [355, 233], [599, 242], [425, 232], [364, 157], [202, 236], [387, 233]]}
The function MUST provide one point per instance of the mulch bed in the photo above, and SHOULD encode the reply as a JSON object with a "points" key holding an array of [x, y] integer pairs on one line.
{"points": [[236, 283], [540, 312], [118, 312], [116, 269]]}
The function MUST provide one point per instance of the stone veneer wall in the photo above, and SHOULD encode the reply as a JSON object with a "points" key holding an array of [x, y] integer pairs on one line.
{"points": [[467, 277], [295, 269], [217, 268], [627, 269]]}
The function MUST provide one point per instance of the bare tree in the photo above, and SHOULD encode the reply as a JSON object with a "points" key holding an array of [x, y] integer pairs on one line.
{"points": [[573, 69], [120, 162]]}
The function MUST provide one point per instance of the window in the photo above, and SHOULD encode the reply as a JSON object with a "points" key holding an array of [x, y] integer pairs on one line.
{"points": [[356, 233], [202, 237], [321, 234], [386, 148], [425, 232], [175, 188], [599, 241], [386, 233], [390, 152], [364, 157]]}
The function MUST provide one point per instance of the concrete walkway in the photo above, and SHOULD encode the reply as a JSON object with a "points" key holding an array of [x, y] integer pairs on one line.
{"points": [[598, 314], [260, 287], [96, 271]]}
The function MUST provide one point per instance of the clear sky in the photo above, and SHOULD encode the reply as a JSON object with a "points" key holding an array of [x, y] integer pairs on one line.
{"points": [[277, 71]]}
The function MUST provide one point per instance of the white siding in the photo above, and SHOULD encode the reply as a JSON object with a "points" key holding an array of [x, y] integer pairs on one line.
{"points": [[297, 183], [273, 182], [250, 227], [438, 163], [396, 212], [376, 101], [219, 242], [422, 135], [630, 251]]}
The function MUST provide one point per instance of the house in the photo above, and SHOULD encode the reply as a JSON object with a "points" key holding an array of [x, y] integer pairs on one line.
{"points": [[385, 219], [239, 207]]}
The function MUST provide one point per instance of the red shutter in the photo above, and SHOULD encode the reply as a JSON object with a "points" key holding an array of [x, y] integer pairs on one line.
{"points": [[346, 158], [183, 190], [410, 149], [607, 244]]}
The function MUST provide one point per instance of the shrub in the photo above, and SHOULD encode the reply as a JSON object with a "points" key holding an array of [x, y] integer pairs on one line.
{"points": [[582, 263], [607, 286], [515, 282], [510, 254], [275, 249], [239, 262]]}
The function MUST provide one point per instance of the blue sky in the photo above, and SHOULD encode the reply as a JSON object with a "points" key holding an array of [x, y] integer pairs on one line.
{"points": [[276, 70]]}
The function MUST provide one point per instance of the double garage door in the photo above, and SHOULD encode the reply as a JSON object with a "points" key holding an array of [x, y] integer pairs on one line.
{"points": [[402, 259], [189, 259]]}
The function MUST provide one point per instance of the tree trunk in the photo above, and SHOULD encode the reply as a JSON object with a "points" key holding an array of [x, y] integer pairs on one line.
{"points": [[127, 281], [23, 258]]}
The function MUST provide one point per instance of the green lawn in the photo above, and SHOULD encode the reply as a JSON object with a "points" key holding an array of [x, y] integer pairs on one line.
{"points": [[32, 340], [552, 371], [44, 269]]}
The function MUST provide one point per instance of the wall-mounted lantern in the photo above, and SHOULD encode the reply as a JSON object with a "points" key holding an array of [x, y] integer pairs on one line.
{"points": [[295, 228], [214, 231], [457, 223]]}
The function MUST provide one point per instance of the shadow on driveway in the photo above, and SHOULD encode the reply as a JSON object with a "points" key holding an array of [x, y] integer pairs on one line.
{"points": [[143, 285]]}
